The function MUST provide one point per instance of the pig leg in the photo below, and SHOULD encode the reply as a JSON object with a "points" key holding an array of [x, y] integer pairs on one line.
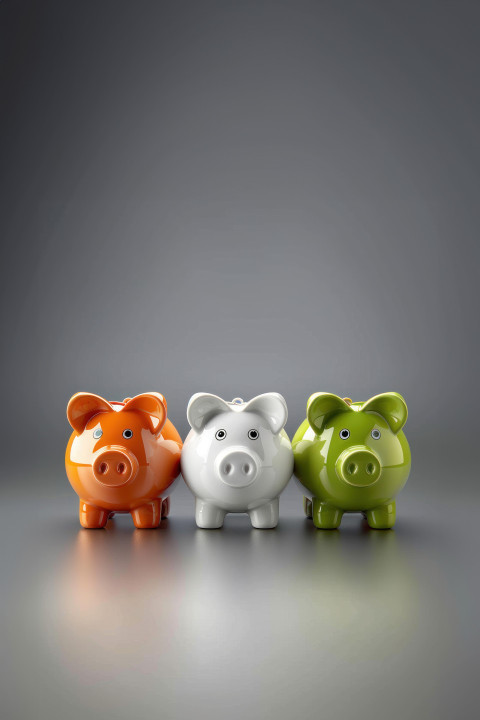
{"points": [[326, 516], [265, 516], [208, 515], [148, 515], [382, 517], [91, 516], [165, 507], [307, 507]]}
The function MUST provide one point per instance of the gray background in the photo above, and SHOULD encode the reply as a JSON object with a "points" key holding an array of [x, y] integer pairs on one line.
{"points": [[239, 197]]}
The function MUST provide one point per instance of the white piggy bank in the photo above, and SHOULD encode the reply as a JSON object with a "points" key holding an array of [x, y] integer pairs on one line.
{"points": [[237, 458]]}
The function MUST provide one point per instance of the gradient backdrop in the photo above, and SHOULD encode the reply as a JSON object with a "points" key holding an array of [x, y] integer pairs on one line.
{"points": [[239, 197]]}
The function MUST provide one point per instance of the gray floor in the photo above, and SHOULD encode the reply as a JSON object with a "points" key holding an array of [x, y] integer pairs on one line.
{"points": [[181, 622]]}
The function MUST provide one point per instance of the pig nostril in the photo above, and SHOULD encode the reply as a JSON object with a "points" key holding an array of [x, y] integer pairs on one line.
{"points": [[351, 468], [103, 468], [370, 468], [121, 468], [228, 469], [246, 468]]}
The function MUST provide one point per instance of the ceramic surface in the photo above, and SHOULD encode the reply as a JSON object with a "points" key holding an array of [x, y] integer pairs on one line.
{"points": [[237, 458], [352, 457], [122, 457]]}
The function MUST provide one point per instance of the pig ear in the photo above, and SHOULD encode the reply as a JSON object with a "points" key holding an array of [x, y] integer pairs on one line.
{"points": [[321, 406], [83, 406], [272, 407], [153, 405], [391, 406], [202, 407]]}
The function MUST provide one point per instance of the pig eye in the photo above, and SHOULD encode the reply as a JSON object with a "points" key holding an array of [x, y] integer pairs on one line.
{"points": [[253, 434], [127, 434], [221, 434], [375, 434], [344, 434], [97, 433]]}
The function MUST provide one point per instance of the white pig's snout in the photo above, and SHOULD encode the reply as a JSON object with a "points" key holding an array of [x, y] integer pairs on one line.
{"points": [[236, 467]]}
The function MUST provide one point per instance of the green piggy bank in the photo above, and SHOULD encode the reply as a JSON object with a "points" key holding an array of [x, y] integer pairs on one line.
{"points": [[352, 457]]}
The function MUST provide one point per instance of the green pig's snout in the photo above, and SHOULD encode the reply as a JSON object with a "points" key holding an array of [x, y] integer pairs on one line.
{"points": [[358, 466]]}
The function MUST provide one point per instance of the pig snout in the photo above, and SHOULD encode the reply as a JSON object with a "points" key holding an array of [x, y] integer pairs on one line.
{"points": [[114, 466], [359, 466], [236, 467]]}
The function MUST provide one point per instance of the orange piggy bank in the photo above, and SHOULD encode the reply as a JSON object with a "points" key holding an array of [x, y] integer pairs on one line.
{"points": [[122, 457]]}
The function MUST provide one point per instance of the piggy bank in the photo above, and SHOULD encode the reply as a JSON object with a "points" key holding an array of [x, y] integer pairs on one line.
{"points": [[237, 458], [122, 457], [352, 457]]}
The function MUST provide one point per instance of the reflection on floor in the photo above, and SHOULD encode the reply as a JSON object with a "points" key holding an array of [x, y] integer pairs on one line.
{"points": [[180, 621]]}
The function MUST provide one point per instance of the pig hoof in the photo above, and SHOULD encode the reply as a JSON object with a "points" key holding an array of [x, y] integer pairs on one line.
{"points": [[92, 517], [266, 516], [208, 516], [147, 516], [165, 507], [307, 507], [382, 517], [326, 517], [208, 525], [264, 526], [204, 524]]}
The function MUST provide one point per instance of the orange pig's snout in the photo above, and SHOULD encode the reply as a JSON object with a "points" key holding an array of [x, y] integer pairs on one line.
{"points": [[114, 466]]}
